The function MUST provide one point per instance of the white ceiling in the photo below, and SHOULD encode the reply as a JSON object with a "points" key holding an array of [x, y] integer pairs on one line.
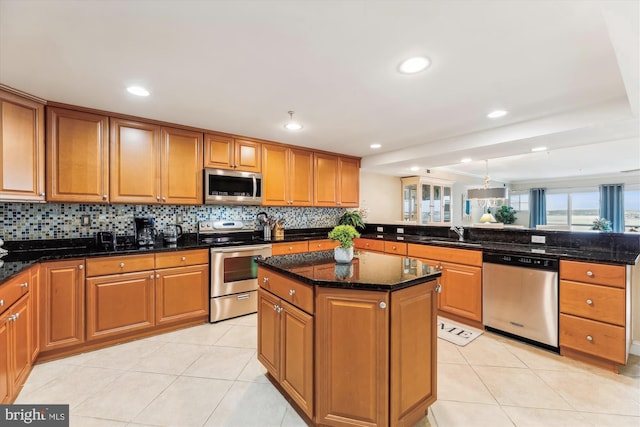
{"points": [[567, 72]]}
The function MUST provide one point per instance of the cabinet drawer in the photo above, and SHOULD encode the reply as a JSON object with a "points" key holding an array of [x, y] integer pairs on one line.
{"points": [[595, 338], [595, 302], [294, 292], [12, 290], [322, 245], [398, 248], [289, 248], [119, 264], [369, 244], [458, 256], [603, 274], [182, 258]]}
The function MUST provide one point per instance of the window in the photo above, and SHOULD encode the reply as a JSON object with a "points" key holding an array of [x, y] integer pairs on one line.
{"points": [[519, 202], [577, 209], [557, 208], [632, 209]]}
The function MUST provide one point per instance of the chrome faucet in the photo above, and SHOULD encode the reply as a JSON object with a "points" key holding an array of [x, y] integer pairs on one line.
{"points": [[459, 231]]}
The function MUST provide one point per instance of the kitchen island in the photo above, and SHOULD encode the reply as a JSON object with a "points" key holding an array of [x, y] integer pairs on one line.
{"points": [[350, 344]]}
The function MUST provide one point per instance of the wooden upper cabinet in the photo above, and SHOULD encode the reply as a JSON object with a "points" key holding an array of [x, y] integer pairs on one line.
{"points": [[153, 164], [21, 148], [287, 176], [336, 181], [135, 162], [181, 169], [226, 152], [77, 149]]}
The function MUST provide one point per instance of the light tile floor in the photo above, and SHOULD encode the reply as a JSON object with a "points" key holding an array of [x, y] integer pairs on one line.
{"points": [[208, 375]]}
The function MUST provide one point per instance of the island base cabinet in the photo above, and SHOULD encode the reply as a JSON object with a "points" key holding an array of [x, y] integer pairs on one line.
{"points": [[375, 356], [285, 347]]}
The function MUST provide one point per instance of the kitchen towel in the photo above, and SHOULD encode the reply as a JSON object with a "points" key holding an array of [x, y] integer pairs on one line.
{"points": [[457, 333]]}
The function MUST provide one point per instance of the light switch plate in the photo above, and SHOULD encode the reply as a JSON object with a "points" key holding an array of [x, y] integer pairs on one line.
{"points": [[400, 230], [538, 239], [379, 229], [85, 220]]}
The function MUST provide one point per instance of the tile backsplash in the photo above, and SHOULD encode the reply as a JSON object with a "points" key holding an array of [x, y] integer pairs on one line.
{"points": [[35, 221]]}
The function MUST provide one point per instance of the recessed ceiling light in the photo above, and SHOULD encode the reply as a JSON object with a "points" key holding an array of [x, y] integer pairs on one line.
{"points": [[534, 149], [496, 114], [414, 65], [414, 168], [138, 90], [466, 160], [375, 146]]}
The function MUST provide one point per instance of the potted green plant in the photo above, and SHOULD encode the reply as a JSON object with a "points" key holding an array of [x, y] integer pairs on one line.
{"points": [[602, 224], [506, 215], [352, 218], [344, 234]]}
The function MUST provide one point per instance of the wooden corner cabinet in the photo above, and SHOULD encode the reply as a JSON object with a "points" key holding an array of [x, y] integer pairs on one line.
{"points": [[595, 318], [287, 176], [22, 150], [228, 152], [336, 181], [77, 150]]}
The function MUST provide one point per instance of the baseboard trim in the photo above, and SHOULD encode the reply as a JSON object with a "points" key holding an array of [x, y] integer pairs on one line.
{"points": [[635, 348]]}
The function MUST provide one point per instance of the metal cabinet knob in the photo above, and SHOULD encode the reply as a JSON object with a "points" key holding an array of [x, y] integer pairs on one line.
{"points": [[275, 307], [104, 197], [81, 266], [590, 273], [24, 285], [438, 288], [290, 248], [14, 317], [589, 338], [164, 199], [383, 304], [151, 277], [121, 264], [157, 276], [42, 194], [394, 248], [1, 302], [265, 280], [158, 198], [184, 258], [292, 292], [590, 302]]}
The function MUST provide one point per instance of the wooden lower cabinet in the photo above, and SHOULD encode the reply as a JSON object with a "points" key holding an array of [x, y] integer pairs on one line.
{"points": [[62, 299], [35, 304], [15, 349], [181, 293], [120, 304], [461, 291], [285, 347], [396, 382], [5, 355]]}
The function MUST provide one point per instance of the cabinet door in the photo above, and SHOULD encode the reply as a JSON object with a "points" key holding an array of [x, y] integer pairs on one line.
{"points": [[325, 181], [352, 388], [269, 332], [218, 151], [119, 304], [181, 167], [20, 332], [34, 312], [182, 293], [275, 175], [413, 353], [21, 148], [246, 155], [349, 182], [461, 291], [62, 302], [135, 162], [300, 176], [5, 380], [77, 156], [296, 356]]}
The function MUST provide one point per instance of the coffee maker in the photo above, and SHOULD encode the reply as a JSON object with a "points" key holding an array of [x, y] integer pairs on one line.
{"points": [[145, 231]]}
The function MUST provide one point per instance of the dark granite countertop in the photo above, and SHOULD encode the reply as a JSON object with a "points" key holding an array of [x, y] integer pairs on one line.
{"points": [[367, 271]]}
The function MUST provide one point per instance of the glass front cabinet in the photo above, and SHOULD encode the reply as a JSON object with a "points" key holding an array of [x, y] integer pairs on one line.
{"points": [[426, 201]]}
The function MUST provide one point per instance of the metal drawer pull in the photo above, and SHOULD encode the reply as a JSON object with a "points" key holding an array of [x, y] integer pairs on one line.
{"points": [[265, 280], [292, 292], [24, 285], [241, 297], [589, 302], [589, 338], [590, 273], [121, 264]]}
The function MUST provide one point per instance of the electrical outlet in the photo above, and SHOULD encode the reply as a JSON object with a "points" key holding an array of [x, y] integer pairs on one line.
{"points": [[400, 230], [379, 229], [179, 218], [538, 239], [85, 220]]}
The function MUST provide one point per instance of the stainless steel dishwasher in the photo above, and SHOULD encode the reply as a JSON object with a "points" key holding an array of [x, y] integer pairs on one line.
{"points": [[520, 297]]}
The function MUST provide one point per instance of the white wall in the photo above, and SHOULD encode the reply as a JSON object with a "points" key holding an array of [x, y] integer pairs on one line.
{"points": [[381, 196]]}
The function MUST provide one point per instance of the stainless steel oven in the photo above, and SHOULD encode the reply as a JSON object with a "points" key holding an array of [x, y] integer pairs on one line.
{"points": [[234, 280]]}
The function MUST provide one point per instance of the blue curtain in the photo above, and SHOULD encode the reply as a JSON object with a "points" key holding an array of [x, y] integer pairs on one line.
{"points": [[537, 207], [612, 205]]}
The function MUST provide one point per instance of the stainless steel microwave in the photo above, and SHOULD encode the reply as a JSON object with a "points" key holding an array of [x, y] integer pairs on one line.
{"points": [[227, 187]]}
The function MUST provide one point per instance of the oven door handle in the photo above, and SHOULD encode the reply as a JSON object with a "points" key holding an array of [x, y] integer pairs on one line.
{"points": [[242, 249]]}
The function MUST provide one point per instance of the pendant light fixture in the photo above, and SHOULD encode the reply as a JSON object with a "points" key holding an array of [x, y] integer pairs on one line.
{"points": [[488, 196], [292, 124]]}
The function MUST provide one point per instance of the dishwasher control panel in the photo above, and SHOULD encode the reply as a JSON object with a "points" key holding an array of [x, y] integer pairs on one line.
{"points": [[542, 263]]}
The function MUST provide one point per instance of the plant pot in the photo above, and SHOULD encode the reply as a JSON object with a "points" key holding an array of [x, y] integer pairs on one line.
{"points": [[343, 270], [343, 255]]}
